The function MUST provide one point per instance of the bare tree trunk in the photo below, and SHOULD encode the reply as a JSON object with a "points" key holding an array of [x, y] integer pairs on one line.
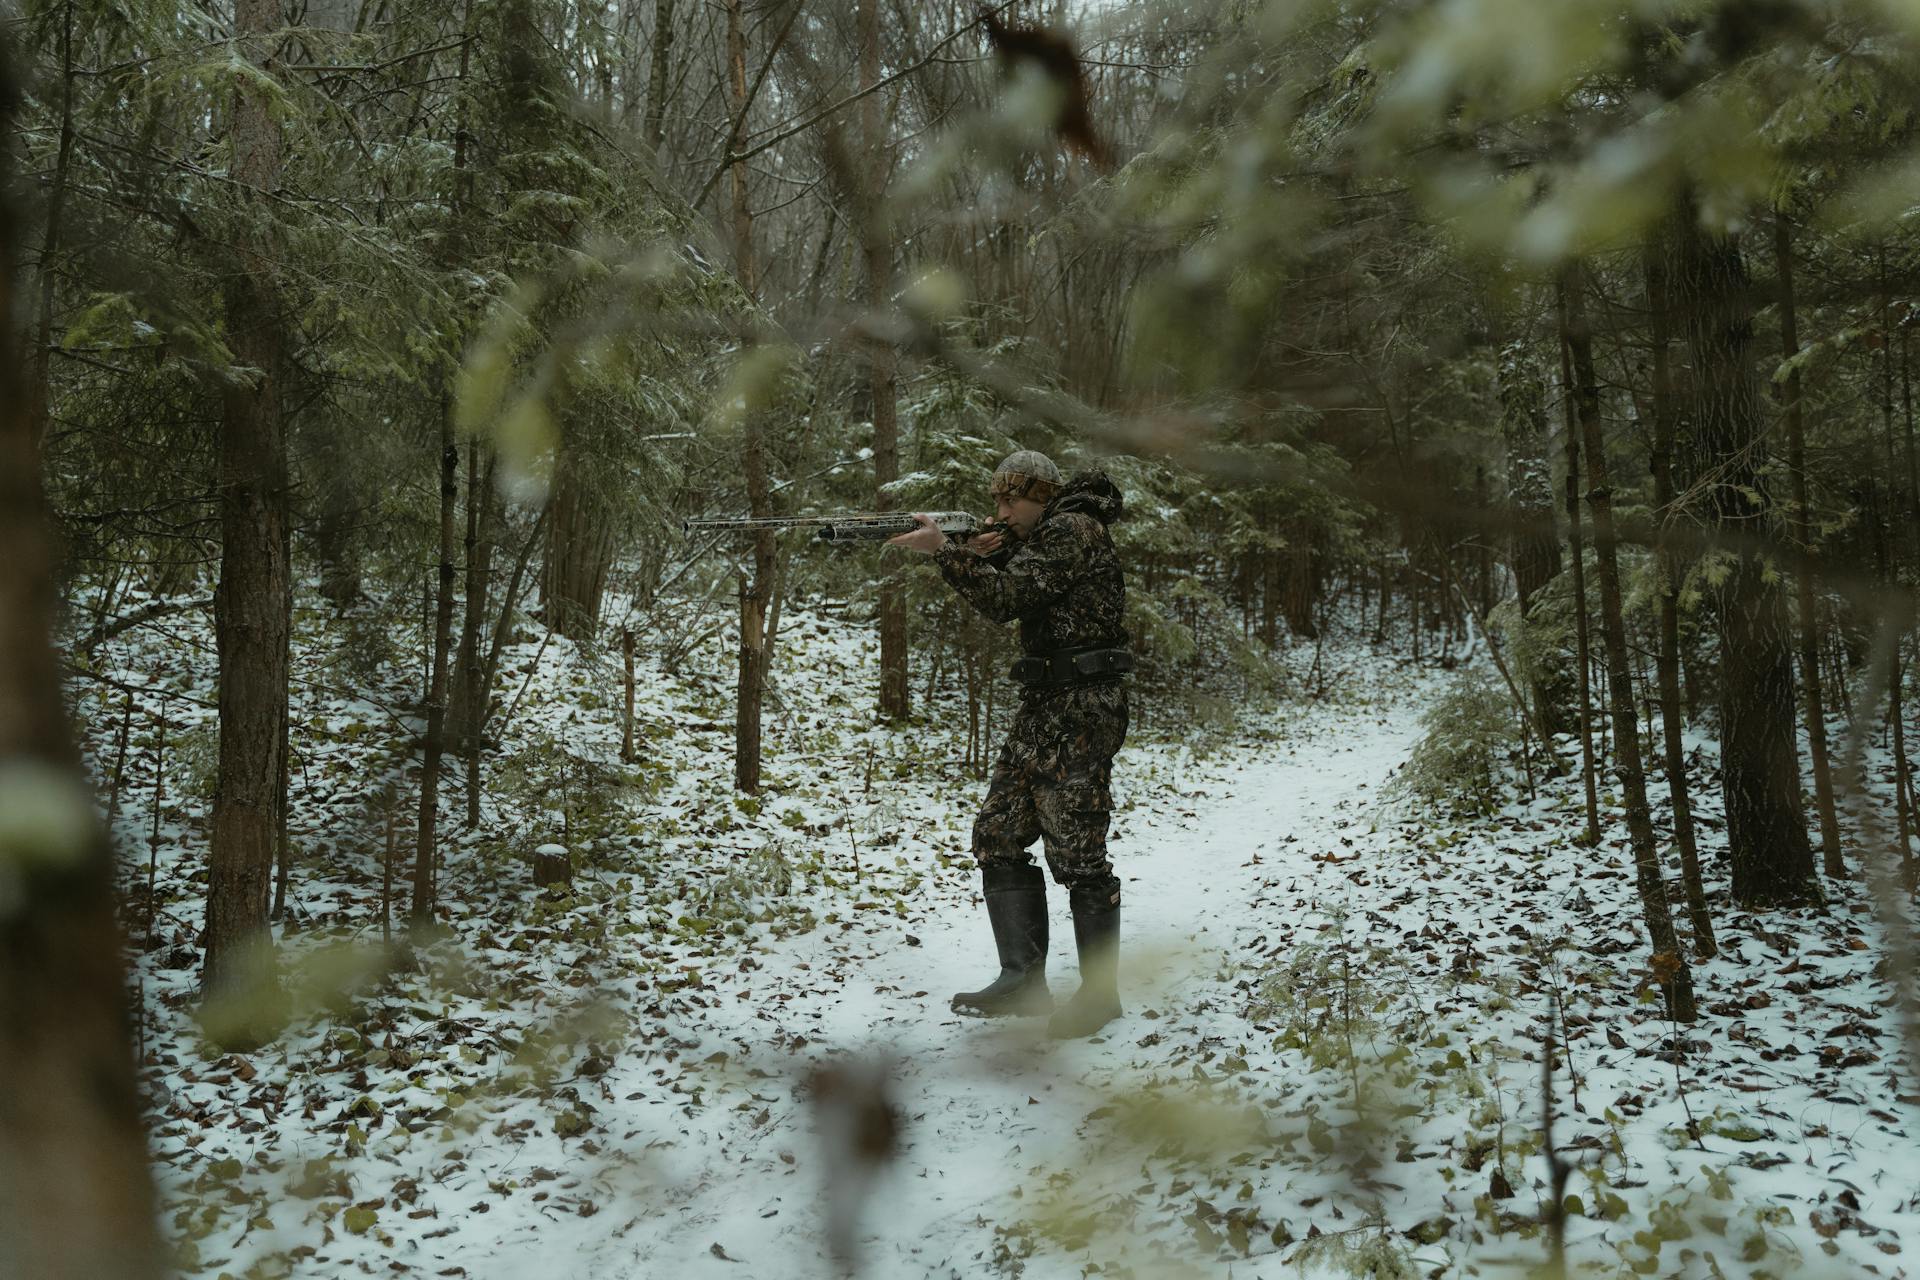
{"points": [[1670, 966], [1270, 587], [1809, 630], [282, 841], [626, 691], [39, 356], [1902, 784], [1902, 779], [1760, 766], [1533, 550], [427, 828], [742, 211], [658, 74], [76, 1200], [479, 690], [336, 505], [466, 702], [1299, 597], [755, 593], [1667, 661], [878, 245], [420, 911], [1484, 556], [579, 551], [251, 604], [1581, 651], [503, 622], [1386, 599]]}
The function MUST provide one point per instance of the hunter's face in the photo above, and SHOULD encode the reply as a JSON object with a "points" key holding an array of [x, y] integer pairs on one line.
{"points": [[1019, 513]]}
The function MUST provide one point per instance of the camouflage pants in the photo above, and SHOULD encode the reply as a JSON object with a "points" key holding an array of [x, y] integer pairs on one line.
{"points": [[1052, 782]]}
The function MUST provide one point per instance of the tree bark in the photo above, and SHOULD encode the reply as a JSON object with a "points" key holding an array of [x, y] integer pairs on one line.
{"points": [[433, 749], [503, 623], [76, 1200], [421, 908], [39, 357], [1270, 588], [626, 691], [1670, 966], [1299, 595], [877, 244], [658, 73], [573, 578], [737, 171], [1809, 628], [1533, 549], [1581, 650], [755, 592], [1760, 767], [1667, 661], [466, 701], [251, 604]]}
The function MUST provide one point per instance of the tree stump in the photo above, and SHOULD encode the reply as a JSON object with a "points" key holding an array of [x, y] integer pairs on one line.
{"points": [[552, 866]]}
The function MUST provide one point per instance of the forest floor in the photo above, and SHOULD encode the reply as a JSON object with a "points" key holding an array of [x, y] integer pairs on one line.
{"points": [[729, 1052]]}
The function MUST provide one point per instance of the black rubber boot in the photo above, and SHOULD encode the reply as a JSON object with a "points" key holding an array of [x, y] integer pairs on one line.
{"points": [[1096, 931], [1016, 896]]}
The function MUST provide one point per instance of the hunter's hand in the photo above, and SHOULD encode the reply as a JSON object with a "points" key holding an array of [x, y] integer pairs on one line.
{"points": [[985, 544], [926, 538]]}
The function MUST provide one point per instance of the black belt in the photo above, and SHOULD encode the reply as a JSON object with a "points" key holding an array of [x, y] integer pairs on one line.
{"points": [[1072, 666]]}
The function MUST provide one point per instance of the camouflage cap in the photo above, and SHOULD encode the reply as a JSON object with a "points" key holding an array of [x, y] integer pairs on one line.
{"points": [[1026, 474]]}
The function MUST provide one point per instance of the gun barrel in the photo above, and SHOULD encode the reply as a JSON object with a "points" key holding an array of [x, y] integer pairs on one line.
{"points": [[873, 526], [729, 525]]}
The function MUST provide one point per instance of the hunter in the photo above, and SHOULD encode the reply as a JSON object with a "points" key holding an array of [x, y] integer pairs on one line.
{"points": [[1056, 572]]}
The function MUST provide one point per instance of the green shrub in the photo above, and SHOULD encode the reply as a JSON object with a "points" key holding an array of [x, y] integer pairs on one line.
{"points": [[1459, 763]]}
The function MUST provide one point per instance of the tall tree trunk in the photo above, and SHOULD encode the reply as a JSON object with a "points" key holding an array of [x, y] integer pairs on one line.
{"points": [[1533, 549], [658, 72], [747, 268], [1270, 587], [477, 555], [39, 356], [426, 831], [573, 573], [1913, 449], [1809, 629], [337, 504], [878, 242], [1574, 544], [1484, 553], [1299, 596], [755, 593], [282, 839], [1669, 963], [466, 707], [502, 627], [427, 827], [1760, 766], [251, 603], [76, 1200], [1903, 814], [1667, 661]]}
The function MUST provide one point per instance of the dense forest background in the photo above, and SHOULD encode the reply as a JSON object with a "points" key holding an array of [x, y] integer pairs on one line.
{"points": [[358, 352]]}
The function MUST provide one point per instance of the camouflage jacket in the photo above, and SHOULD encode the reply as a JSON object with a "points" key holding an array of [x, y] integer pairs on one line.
{"points": [[1063, 582]]}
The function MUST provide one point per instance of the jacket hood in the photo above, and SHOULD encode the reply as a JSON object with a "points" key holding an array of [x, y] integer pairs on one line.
{"points": [[1091, 493]]}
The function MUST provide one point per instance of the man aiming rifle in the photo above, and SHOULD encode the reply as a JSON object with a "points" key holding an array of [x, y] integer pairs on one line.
{"points": [[1054, 569]]}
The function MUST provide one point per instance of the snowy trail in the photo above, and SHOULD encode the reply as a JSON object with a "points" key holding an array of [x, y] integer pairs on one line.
{"points": [[984, 1103]]}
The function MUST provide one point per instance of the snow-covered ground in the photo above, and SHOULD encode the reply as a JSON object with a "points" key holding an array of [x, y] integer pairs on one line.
{"points": [[730, 1051], [987, 1108]]}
